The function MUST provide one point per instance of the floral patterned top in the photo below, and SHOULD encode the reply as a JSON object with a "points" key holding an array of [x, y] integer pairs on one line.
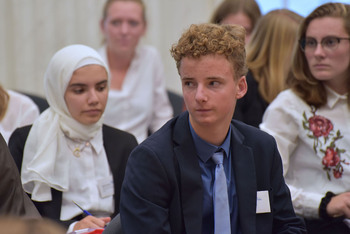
{"points": [[314, 145]]}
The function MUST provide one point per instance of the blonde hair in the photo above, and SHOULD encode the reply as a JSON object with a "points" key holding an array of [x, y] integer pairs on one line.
{"points": [[303, 83], [4, 101], [270, 49], [108, 3], [227, 7], [17, 225], [205, 39]]}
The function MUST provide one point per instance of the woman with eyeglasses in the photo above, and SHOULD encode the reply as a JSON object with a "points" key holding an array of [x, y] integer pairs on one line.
{"points": [[311, 121]]}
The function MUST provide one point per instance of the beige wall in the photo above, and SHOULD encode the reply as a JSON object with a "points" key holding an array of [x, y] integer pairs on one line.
{"points": [[31, 31]]}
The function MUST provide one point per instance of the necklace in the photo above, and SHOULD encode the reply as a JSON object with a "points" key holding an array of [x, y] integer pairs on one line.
{"points": [[79, 148]]}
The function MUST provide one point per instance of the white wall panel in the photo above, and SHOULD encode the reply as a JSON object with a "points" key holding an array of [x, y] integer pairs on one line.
{"points": [[31, 31]]}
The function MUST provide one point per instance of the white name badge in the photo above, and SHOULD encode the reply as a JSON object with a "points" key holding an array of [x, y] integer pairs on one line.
{"points": [[262, 202], [106, 187]]}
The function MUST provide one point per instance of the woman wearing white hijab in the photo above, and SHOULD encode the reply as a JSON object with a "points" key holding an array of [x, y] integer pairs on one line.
{"points": [[68, 154]]}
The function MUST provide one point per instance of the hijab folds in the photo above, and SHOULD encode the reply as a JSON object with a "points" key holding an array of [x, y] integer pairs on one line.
{"points": [[45, 158]]}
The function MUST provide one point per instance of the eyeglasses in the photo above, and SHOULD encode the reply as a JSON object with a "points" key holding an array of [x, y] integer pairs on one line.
{"points": [[309, 44]]}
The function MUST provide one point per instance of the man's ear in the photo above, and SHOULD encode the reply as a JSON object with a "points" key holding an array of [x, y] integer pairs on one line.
{"points": [[242, 87]]}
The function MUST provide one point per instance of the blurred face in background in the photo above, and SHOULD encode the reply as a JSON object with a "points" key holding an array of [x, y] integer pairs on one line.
{"points": [[123, 27], [241, 19]]}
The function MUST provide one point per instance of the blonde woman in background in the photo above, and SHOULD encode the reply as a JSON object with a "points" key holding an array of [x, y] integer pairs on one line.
{"points": [[269, 53], [137, 101], [242, 12], [16, 110]]}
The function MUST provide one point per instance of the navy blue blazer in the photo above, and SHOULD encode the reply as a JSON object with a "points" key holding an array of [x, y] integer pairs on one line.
{"points": [[118, 146], [162, 189]]}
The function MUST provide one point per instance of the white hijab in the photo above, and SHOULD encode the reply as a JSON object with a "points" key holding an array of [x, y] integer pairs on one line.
{"points": [[45, 157]]}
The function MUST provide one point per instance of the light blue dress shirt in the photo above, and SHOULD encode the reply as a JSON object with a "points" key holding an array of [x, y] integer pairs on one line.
{"points": [[204, 152]]}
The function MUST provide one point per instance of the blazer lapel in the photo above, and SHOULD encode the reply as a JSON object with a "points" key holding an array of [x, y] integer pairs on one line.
{"points": [[245, 180], [190, 176]]}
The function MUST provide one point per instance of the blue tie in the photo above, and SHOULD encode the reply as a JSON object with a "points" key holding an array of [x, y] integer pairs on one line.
{"points": [[221, 207]]}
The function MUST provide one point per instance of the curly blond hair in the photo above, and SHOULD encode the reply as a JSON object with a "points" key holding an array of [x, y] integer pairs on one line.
{"points": [[205, 39]]}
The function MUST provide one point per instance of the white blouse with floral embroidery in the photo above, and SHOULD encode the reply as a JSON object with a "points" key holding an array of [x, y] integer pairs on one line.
{"points": [[314, 145]]}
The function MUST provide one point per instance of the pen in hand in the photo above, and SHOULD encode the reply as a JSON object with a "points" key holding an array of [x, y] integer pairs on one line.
{"points": [[84, 211]]}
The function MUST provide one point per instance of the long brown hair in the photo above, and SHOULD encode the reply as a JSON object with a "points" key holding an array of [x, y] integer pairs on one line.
{"points": [[303, 83], [227, 7]]}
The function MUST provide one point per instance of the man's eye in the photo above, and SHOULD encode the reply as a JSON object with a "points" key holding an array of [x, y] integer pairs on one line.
{"points": [[188, 83], [214, 83]]}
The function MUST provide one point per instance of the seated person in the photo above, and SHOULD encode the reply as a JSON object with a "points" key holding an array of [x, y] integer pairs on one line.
{"points": [[68, 154], [174, 181], [138, 102]]}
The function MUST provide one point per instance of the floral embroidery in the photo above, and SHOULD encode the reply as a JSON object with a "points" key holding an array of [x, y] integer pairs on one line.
{"points": [[319, 127]]}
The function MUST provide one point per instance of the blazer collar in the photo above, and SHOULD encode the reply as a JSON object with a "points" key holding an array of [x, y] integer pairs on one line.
{"points": [[190, 176], [245, 180]]}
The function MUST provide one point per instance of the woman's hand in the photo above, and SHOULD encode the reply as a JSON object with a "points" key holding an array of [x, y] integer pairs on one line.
{"points": [[339, 205], [91, 222]]}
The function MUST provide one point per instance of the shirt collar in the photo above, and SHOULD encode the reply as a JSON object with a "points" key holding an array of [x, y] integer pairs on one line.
{"points": [[206, 150], [97, 142], [333, 97]]}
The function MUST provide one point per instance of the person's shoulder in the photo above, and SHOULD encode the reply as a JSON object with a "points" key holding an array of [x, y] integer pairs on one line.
{"points": [[251, 134], [111, 132], [162, 137], [287, 95], [23, 130], [19, 135], [148, 48], [148, 51], [165, 132], [20, 99], [287, 100]]}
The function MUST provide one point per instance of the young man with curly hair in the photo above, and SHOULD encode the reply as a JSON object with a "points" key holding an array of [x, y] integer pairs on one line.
{"points": [[170, 184]]}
